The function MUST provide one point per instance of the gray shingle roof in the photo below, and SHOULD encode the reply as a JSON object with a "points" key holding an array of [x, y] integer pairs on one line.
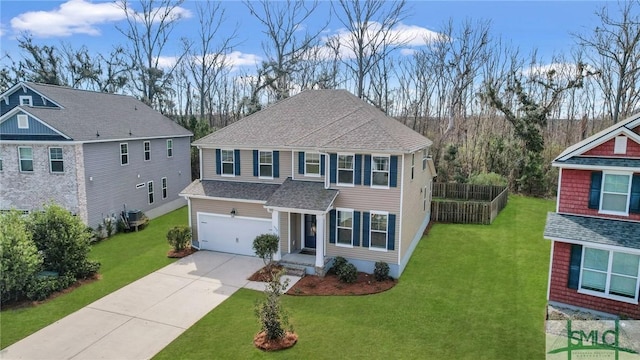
{"points": [[112, 116], [319, 119], [303, 195], [231, 189], [595, 230], [601, 161]]}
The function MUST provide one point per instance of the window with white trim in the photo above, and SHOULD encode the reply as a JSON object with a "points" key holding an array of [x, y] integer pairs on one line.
{"points": [[56, 162], [311, 164], [23, 121], [170, 148], [345, 169], [378, 230], [124, 153], [147, 150], [265, 164], [227, 160], [150, 191], [26, 100], [616, 190], [610, 274], [25, 158], [344, 228], [380, 171], [164, 188], [424, 158]]}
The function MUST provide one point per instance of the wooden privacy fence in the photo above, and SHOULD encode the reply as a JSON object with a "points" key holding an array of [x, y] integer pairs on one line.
{"points": [[467, 204]]}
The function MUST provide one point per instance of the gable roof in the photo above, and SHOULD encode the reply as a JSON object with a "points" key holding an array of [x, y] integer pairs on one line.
{"points": [[83, 114], [319, 119]]}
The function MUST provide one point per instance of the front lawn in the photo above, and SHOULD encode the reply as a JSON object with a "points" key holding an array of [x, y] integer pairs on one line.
{"points": [[124, 257], [469, 291]]}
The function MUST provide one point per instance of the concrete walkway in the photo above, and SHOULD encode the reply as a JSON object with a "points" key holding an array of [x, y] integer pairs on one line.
{"points": [[139, 320]]}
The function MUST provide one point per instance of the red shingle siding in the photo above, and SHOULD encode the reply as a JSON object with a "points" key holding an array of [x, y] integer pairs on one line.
{"points": [[606, 149], [559, 291], [574, 195]]}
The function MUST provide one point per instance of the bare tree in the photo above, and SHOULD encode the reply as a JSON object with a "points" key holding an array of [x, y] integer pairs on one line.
{"points": [[369, 34], [615, 53], [148, 32]]}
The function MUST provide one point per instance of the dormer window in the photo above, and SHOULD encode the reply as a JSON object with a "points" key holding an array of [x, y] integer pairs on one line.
{"points": [[26, 100], [23, 122]]}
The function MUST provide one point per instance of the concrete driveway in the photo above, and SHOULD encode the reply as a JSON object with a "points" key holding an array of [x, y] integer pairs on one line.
{"points": [[139, 320]]}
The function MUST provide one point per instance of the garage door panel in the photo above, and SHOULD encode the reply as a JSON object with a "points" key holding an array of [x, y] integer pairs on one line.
{"points": [[230, 234]]}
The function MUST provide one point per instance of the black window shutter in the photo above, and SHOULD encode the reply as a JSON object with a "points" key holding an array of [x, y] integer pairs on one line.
{"points": [[391, 232], [366, 217], [236, 161], [393, 171], [332, 226], [333, 167], [218, 162], [322, 165], [367, 170], [276, 164], [634, 201], [301, 162], [255, 162], [574, 266], [357, 173], [356, 228], [594, 190]]}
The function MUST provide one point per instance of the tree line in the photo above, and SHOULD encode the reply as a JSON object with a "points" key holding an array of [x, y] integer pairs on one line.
{"points": [[488, 105]]}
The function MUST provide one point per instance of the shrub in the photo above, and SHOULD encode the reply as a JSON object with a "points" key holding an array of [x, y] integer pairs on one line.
{"points": [[108, 225], [62, 240], [381, 271], [488, 179], [265, 246], [44, 286], [19, 257], [179, 237], [272, 317], [348, 273], [338, 263]]}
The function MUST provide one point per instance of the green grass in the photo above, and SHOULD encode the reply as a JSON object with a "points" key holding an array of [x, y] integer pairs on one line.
{"points": [[124, 258], [469, 291]]}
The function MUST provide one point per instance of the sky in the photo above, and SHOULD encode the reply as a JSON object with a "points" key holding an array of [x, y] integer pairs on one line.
{"points": [[543, 25]]}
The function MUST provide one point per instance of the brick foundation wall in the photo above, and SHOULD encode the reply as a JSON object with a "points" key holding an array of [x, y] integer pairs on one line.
{"points": [[574, 195], [606, 149], [559, 291]]}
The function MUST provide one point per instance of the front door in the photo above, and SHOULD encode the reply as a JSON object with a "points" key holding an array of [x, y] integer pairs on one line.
{"points": [[310, 231]]}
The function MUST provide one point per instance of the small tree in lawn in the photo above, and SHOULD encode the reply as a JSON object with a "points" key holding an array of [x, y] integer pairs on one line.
{"points": [[265, 246], [276, 333]]}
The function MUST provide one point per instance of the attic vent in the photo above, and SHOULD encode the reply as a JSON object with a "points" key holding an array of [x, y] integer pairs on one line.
{"points": [[621, 145], [23, 122]]}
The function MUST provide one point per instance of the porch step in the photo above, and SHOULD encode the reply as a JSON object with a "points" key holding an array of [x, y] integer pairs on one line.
{"points": [[294, 270]]}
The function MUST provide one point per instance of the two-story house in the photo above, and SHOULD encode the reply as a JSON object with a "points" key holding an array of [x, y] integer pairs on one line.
{"points": [[328, 173], [595, 231], [95, 154]]}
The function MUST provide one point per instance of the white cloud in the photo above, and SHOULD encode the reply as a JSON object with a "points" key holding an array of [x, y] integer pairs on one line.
{"points": [[72, 17], [233, 59], [563, 70], [407, 51], [413, 35], [2, 30], [166, 61]]}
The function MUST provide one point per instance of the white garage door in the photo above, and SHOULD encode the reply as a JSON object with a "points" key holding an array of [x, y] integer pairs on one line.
{"points": [[230, 234]]}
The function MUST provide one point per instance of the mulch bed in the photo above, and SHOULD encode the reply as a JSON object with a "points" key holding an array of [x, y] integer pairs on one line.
{"points": [[331, 285], [262, 343], [265, 274], [180, 254]]}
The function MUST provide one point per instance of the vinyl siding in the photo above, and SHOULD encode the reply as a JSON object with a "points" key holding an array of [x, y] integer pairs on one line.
{"points": [[296, 168], [296, 240], [284, 232], [114, 186], [224, 207], [246, 167], [365, 198], [413, 213], [10, 126]]}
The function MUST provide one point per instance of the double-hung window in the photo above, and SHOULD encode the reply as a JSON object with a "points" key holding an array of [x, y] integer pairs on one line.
{"points": [[380, 171], [227, 160], [312, 164], [424, 158], [616, 189], [124, 153], [344, 227], [345, 169], [164, 188], [25, 157], [150, 191], [379, 230], [147, 150], [610, 274], [265, 165], [169, 148], [56, 163]]}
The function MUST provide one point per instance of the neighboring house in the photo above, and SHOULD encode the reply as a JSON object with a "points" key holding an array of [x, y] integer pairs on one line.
{"points": [[595, 231], [93, 153], [326, 172]]}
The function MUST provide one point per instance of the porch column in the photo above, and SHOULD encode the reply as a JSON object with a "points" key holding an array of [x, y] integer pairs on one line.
{"points": [[320, 242], [275, 227]]}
